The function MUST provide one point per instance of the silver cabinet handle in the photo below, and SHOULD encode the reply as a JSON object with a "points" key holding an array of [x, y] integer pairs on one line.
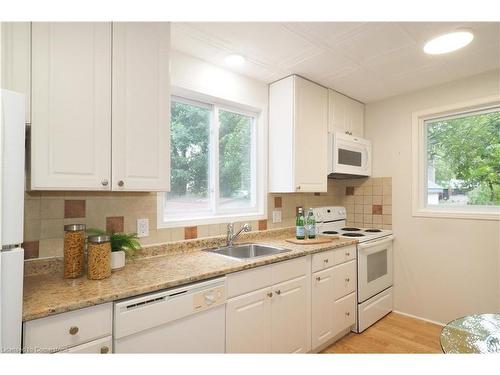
{"points": [[121, 183], [326, 260], [347, 313], [298, 187], [270, 294], [104, 182], [73, 330], [347, 280], [104, 350], [278, 292]]}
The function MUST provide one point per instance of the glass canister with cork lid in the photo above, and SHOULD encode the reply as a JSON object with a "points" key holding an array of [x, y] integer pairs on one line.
{"points": [[99, 257], [74, 250]]}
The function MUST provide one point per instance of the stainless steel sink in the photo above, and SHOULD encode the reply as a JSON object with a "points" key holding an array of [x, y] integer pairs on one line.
{"points": [[247, 251]]}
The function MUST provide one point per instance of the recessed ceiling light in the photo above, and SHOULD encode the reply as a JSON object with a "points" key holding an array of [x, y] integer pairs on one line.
{"points": [[448, 42], [234, 60]]}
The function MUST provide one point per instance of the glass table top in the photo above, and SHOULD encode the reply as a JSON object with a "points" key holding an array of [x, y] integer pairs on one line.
{"points": [[472, 334]]}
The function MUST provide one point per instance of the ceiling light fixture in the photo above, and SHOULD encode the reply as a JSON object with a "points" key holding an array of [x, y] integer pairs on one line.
{"points": [[234, 60], [448, 42]]}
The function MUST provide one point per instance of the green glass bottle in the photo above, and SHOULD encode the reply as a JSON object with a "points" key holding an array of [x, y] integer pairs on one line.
{"points": [[300, 230], [311, 224]]}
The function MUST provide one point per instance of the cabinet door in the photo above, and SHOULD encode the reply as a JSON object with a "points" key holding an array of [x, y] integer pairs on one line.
{"points": [[344, 313], [141, 106], [356, 118], [337, 112], [344, 279], [311, 130], [248, 323], [289, 317], [16, 60], [71, 106], [100, 346], [322, 307]]}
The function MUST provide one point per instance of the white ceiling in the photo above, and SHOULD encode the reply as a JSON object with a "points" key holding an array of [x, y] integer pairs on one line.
{"points": [[367, 61]]}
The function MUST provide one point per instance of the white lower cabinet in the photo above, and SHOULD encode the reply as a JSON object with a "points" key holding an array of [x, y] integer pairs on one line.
{"points": [[322, 307], [289, 317], [248, 323], [100, 346], [274, 319], [333, 300]]}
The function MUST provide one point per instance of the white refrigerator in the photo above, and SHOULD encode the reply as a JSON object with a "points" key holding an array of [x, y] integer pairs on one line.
{"points": [[12, 135]]}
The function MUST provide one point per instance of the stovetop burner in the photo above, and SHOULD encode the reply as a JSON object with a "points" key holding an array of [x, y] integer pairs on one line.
{"points": [[351, 229], [373, 230], [330, 232], [353, 234]]}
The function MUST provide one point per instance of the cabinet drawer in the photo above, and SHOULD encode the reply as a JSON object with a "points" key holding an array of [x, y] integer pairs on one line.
{"points": [[57, 332], [289, 269], [344, 254], [242, 282], [99, 346], [323, 260], [344, 279], [344, 313]]}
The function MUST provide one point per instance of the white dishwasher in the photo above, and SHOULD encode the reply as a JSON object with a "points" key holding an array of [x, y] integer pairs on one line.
{"points": [[189, 319]]}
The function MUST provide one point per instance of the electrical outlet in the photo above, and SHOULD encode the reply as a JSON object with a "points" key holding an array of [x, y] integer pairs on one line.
{"points": [[277, 216], [142, 227]]}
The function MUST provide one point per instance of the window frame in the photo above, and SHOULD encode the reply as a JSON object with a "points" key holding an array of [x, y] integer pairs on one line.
{"points": [[420, 208], [259, 170]]}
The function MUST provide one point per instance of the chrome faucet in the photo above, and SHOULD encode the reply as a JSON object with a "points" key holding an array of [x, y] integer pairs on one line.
{"points": [[230, 233]]}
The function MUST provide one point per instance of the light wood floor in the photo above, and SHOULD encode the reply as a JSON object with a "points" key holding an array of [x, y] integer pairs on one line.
{"points": [[394, 333]]}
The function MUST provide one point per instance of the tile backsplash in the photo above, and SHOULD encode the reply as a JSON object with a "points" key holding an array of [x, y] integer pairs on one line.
{"points": [[367, 200]]}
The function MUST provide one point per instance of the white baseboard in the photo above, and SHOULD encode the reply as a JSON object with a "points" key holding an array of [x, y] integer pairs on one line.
{"points": [[418, 317]]}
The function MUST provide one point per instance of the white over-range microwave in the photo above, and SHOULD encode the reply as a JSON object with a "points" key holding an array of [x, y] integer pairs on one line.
{"points": [[348, 156]]}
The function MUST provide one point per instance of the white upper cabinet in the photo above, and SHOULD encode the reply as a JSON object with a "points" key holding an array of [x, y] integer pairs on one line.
{"points": [[71, 106], [298, 128], [345, 114], [100, 106], [16, 58], [141, 106]]}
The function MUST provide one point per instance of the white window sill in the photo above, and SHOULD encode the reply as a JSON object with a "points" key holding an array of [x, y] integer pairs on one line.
{"points": [[188, 222], [492, 214]]}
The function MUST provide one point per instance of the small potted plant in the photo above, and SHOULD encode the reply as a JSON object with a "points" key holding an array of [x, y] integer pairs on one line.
{"points": [[122, 244]]}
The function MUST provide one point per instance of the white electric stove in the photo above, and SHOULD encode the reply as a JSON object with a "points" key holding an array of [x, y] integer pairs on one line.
{"points": [[374, 263]]}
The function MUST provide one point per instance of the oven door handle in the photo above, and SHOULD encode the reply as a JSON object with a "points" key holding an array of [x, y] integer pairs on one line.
{"points": [[376, 243]]}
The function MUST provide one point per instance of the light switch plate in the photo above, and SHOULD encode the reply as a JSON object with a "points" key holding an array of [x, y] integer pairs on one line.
{"points": [[277, 216], [142, 227]]}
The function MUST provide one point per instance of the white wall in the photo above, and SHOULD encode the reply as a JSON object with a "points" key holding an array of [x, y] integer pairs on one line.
{"points": [[444, 268]]}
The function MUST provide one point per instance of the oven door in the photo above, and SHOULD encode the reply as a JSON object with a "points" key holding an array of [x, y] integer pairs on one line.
{"points": [[374, 267], [350, 155]]}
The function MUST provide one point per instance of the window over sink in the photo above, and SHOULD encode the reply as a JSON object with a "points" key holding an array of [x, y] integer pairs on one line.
{"points": [[457, 166], [214, 165]]}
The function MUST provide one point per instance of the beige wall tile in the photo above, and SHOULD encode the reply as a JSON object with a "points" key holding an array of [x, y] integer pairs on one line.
{"points": [[387, 219], [377, 199], [358, 218], [387, 210], [377, 181], [51, 247], [377, 190], [377, 219], [358, 209], [367, 209], [51, 208], [368, 190], [367, 199], [31, 229], [387, 200], [177, 234], [387, 226], [358, 199], [32, 208], [203, 231], [358, 190], [367, 220], [51, 228], [387, 189]]}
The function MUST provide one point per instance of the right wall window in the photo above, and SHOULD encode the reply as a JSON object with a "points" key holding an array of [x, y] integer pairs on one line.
{"points": [[459, 163]]}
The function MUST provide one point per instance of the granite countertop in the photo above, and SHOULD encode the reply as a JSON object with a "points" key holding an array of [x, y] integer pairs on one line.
{"points": [[48, 293]]}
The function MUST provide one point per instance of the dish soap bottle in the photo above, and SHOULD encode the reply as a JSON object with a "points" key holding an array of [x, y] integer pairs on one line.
{"points": [[311, 224], [300, 230]]}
